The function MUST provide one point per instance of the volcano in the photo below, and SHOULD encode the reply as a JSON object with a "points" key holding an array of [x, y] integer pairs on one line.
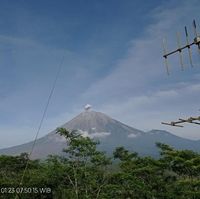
{"points": [[111, 134]]}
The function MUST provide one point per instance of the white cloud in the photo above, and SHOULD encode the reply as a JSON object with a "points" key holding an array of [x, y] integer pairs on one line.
{"points": [[132, 135], [83, 133], [94, 135], [99, 134]]}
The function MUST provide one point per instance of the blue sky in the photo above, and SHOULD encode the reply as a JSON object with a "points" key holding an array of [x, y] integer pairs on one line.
{"points": [[112, 59]]}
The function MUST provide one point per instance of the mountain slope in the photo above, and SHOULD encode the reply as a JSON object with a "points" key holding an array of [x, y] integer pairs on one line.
{"points": [[111, 134]]}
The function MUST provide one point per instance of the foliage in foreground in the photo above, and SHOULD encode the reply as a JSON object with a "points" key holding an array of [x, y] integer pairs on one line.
{"points": [[86, 173]]}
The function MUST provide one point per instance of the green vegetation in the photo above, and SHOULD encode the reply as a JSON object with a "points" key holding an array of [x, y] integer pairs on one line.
{"points": [[86, 173]]}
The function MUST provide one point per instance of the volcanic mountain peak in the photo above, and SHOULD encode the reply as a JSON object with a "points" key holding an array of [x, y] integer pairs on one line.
{"points": [[92, 122]]}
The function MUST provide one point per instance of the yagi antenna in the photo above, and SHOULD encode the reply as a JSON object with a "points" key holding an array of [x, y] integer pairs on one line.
{"points": [[180, 48], [188, 46], [165, 52], [197, 37], [195, 28], [191, 120]]}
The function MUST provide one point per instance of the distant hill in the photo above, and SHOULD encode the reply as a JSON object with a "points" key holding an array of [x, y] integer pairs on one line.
{"points": [[111, 134]]}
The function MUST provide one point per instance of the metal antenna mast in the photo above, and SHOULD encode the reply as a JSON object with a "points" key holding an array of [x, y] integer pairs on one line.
{"points": [[191, 120], [196, 41], [180, 48]]}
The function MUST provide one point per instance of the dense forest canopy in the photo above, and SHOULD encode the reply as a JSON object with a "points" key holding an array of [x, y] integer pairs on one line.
{"points": [[86, 172]]}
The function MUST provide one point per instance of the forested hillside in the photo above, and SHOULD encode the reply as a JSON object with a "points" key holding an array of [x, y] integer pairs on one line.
{"points": [[88, 173]]}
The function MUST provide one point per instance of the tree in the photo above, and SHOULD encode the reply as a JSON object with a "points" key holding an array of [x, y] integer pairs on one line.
{"points": [[86, 165]]}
